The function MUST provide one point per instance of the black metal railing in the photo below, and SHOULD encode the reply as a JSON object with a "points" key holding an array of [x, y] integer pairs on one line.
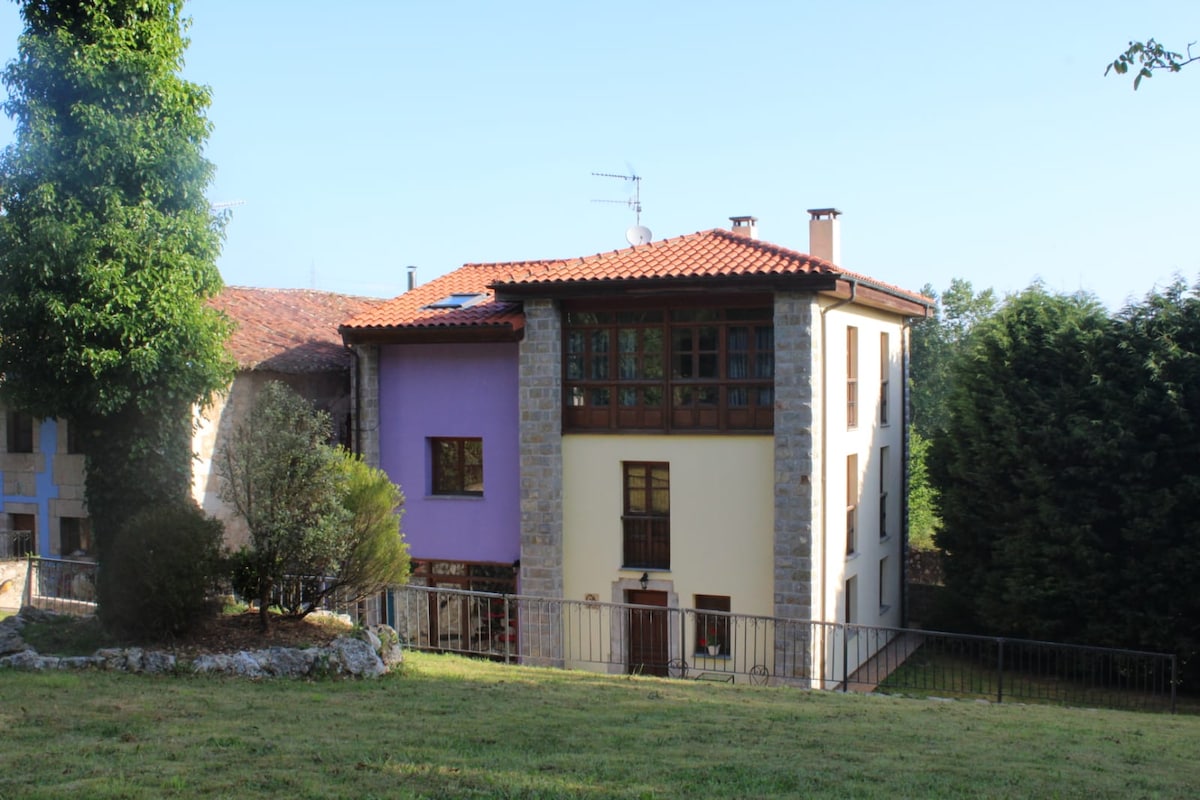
{"points": [[624, 638], [62, 585], [16, 544]]}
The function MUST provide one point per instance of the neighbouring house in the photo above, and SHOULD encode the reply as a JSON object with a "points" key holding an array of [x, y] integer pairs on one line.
{"points": [[707, 421], [285, 335], [288, 335], [43, 511]]}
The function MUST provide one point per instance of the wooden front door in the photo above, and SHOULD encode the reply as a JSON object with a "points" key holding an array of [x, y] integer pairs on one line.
{"points": [[647, 633]]}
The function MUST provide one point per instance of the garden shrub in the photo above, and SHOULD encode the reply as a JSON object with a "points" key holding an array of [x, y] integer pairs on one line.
{"points": [[162, 570]]}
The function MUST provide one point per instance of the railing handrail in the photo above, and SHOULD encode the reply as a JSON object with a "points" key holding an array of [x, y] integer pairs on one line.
{"points": [[822, 623], [606, 635]]}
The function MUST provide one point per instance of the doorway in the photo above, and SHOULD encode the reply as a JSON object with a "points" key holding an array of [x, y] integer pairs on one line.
{"points": [[647, 646]]}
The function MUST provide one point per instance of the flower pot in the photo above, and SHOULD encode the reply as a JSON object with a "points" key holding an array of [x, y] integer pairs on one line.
{"points": [[714, 649]]}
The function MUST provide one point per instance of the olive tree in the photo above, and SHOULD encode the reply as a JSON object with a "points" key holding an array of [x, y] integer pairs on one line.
{"points": [[321, 521]]}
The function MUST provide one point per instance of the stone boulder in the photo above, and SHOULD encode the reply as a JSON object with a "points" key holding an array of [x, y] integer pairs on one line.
{"points": [[387, 643], [10, 636], [368, 654]]}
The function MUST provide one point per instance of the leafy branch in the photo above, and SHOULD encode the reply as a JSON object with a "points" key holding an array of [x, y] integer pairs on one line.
{"points": [[1150, 55]]}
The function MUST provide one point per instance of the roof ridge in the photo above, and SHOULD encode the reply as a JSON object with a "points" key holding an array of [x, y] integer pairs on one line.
{"points": [[300, 290]]}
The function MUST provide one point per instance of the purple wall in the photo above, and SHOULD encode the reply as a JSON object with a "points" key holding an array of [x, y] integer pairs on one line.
{"points": [[453, 390]]}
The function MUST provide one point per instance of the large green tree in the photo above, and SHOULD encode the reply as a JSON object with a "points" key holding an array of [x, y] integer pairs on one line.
{"points": [[1069, 472], [1016, 492], [108, 246], [937, 341]]}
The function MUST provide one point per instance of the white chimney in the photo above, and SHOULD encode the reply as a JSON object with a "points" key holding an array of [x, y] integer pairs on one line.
{"points": [[745, 226], [824, 234], [412, 277]]}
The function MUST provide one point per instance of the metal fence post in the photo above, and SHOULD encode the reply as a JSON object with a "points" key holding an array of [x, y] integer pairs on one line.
{"points": [[28, 599], [1000, 671], [682, 646], [1174, 680], [845, 657], [505, 634]]}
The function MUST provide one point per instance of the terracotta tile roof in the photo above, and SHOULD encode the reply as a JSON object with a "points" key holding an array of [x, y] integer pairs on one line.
{"points": [[707, 254], [713, 255], [411, 309], [289, 330]]}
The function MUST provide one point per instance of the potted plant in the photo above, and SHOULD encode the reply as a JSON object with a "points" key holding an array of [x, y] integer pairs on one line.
{"points": [[712, 642]]}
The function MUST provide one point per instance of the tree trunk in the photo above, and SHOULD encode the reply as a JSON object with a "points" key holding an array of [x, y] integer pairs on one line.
{"points": [[134, 460]]}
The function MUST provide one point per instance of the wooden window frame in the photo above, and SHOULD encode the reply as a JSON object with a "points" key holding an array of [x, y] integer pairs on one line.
{"points": [[452, 478], [646, 532], [884, 376], [851, 604], [884, 456], [884, 605], [75, 536], [851, 504], [680, 366], [851, 376]]}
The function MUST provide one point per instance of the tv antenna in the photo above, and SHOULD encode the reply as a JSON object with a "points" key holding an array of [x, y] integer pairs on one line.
{"points": [[639, 233], [215, 207]]}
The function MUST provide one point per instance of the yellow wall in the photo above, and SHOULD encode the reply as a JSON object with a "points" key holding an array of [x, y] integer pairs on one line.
{"points": [[722, 517]]}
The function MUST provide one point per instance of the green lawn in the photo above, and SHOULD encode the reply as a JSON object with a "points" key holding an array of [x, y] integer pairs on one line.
{"points": [[450, 727]]}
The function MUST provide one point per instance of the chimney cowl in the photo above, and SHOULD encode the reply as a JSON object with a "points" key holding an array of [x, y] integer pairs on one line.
{"points": [[745, 226]]}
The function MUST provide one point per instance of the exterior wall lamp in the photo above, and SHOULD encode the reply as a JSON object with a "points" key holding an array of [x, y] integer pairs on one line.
{"points": [[644, 580]]}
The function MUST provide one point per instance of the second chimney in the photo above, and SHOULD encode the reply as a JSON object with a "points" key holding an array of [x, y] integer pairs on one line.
{"points": [[824, 234], [745, 226]]}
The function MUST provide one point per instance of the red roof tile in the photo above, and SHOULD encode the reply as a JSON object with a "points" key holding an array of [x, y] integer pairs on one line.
{"points": [[411, 309], [288, 330], [707, 255]]}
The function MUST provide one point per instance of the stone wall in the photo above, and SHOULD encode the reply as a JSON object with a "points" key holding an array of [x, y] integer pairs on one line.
{"points": [[12, 582], [541, 465], [364, 385], [796, 457]]}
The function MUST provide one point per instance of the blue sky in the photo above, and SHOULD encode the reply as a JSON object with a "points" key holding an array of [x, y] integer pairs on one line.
{"points": [[959, 139]]}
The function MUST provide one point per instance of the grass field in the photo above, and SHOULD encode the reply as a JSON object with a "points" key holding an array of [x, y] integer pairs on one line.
{"points": [[449, 727]]}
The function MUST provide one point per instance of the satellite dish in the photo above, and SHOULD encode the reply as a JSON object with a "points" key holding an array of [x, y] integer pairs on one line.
{"points": [[638, 234]]}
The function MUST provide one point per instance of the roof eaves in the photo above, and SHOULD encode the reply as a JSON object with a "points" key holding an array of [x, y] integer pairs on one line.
{"points": [[507, 331]]}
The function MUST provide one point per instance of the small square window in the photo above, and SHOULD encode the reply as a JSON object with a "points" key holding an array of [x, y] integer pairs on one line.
{"points": [[20, 432], [713, 630], [74, 536], [457, 465], [74, 443]]}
